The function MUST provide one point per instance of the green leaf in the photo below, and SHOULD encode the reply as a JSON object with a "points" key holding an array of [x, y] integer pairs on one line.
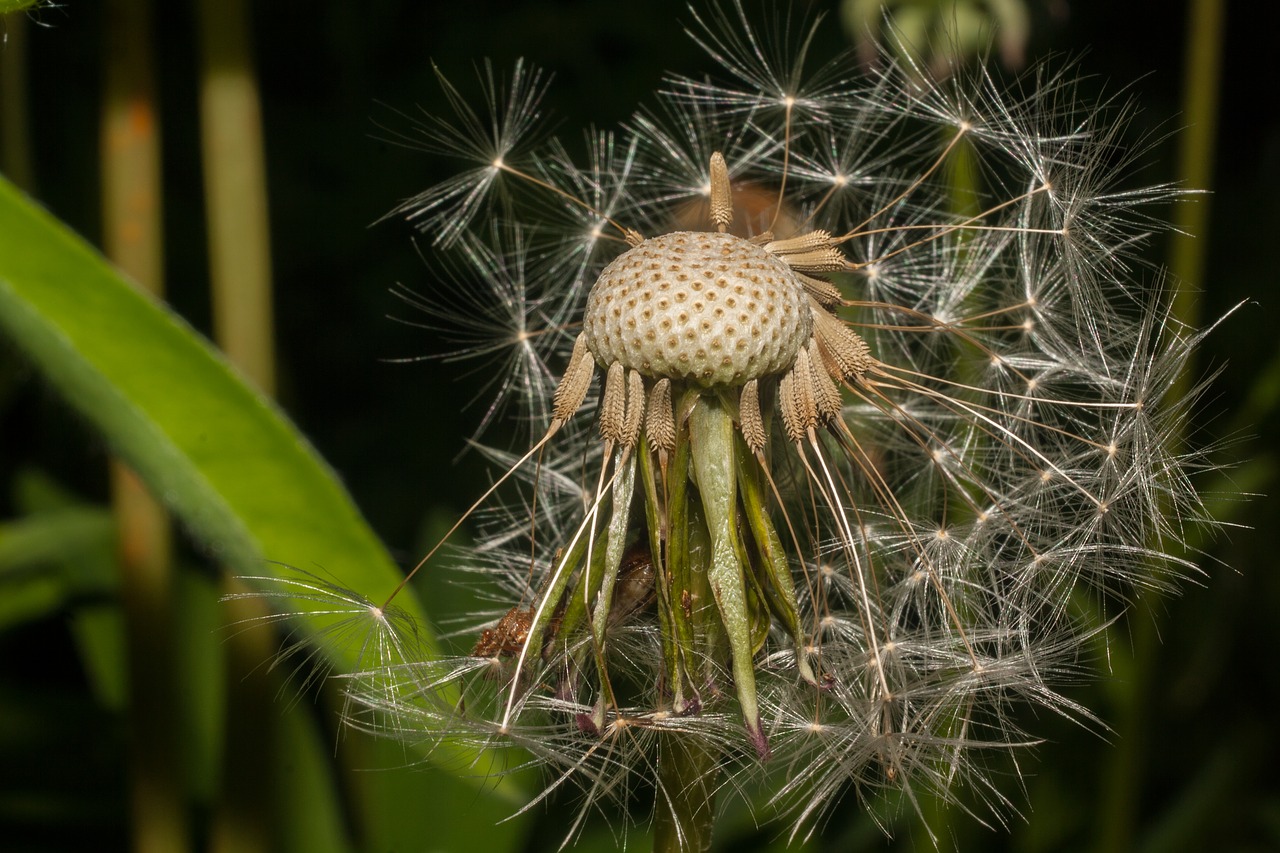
{"points": [[47, 558], [220, 455]]}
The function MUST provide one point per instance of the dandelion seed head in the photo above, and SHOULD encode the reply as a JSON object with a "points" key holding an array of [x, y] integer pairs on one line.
{"points": [[763, 499], [708, 307]]}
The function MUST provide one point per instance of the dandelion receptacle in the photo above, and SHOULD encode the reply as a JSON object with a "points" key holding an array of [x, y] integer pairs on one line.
{"points": [[824, 478]]}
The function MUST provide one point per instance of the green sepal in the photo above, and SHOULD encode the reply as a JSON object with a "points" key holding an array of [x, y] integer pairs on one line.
{"points": [[656, 509], [684, 548], [712, 437], [779, 588], [710, 639], [575, 605], [756, 591], [615, 542]]}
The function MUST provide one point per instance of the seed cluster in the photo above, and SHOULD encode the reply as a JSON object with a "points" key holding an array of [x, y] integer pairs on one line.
{"points": [[706, 307], [855, 555]]}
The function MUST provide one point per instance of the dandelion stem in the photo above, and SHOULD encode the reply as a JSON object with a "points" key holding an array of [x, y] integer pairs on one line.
{"points": [[688, 774]]}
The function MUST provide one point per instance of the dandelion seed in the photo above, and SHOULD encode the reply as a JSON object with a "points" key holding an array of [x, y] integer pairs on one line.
{"points": [[856, 457], [487, 141]]}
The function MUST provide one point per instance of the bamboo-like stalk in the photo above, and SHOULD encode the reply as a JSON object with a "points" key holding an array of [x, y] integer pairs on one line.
{"points": [[1201, 88], [240, 282], [1201, 84], [235, 191], [15, 123], [133, 239]]}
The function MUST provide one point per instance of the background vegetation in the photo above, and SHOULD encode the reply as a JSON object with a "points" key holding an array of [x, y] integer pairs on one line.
{"points": [[1193, 692]]}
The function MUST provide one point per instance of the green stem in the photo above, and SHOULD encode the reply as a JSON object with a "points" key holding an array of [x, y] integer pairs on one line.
{"points": [[244, 820], [688, 775]]}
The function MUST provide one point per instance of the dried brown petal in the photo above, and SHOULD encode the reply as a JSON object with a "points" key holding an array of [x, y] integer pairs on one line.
{"points": [[573, 386], [811, 252], [844, 352], [660, 422], [613, 406], [824, 293], [749, 417], [795, 398], [635, 409], [826, 396]]}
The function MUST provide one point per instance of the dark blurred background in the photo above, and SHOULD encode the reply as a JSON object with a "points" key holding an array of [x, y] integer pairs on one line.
{"points": [[1192, 761]]}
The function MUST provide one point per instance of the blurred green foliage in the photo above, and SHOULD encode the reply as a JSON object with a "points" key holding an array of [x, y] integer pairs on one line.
{"points": [[334, 79]]}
